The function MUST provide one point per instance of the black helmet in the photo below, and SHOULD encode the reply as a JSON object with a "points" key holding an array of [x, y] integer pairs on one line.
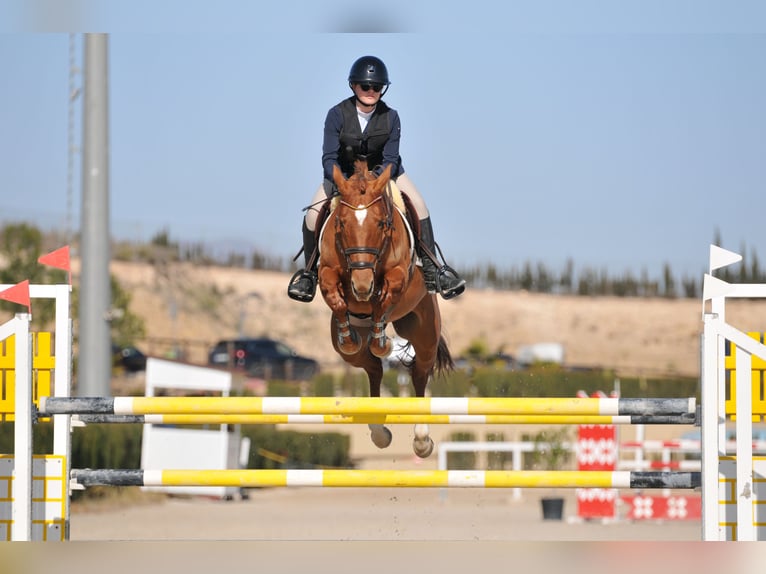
{"points": [[368, 69]]}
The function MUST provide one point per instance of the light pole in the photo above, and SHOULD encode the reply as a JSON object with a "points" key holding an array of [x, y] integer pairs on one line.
{"points": [[95, 295]]}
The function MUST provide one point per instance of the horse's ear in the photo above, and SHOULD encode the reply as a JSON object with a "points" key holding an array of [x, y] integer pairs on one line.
{"points": [[337, 176], [386, 173], [382, 180]]}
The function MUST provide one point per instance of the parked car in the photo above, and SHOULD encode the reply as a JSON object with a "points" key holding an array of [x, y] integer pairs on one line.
{"points": [[264, 358], [128, 358]]}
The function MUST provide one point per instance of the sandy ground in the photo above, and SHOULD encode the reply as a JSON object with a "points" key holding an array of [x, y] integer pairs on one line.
{"points": [[357, 514], [375, 531]]}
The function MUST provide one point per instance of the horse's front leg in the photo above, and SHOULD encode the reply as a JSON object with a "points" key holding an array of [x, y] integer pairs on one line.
{"points": [[347, 340], [390, 293], [380, 345], [379, 434]]}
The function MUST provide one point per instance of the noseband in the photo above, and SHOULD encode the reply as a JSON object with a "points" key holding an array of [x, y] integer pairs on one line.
{"points": [[386, 225]]}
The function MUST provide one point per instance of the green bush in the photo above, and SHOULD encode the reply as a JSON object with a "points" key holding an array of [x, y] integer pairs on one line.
{"points": [[93, 446], [497, 460], [551, 452], [271, 448], [42, 439], [354, 383], [542, 380], [456, 384], [324, 385], [284, 389], [555, 381], [461, 460], [390, 383]]}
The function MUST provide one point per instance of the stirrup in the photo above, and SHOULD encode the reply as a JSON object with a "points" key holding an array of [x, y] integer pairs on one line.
{"points": [[299, 292], [451, 293]]}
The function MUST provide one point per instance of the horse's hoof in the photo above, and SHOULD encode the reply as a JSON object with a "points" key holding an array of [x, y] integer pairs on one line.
{"points": [[381, 436], [351, 344], [350, 348], [423, 447], [381, 351]]}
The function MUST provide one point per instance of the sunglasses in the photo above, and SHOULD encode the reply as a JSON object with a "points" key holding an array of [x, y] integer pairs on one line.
{"points": [[367, 87]]}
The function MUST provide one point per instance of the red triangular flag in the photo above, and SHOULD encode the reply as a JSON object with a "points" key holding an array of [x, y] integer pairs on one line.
{"points": [[58, 259], [19, 293]]}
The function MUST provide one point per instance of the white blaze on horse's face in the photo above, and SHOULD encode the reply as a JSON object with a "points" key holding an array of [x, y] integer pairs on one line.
{"points": [[361, 214]]}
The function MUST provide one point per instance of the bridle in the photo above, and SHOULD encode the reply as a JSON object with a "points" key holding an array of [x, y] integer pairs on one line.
{"points": [[385, 224]]}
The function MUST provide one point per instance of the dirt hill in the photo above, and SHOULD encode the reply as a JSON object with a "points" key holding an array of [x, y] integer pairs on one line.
{"points": [[199, 305]]}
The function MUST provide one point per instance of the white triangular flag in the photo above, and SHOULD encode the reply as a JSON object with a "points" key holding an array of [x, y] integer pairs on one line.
{"points": [[720, 257], [713, 287]]}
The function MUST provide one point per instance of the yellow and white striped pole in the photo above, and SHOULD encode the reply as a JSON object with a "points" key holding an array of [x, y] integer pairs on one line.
{"points": [[367, 405], [389, 478], [258, 419]]}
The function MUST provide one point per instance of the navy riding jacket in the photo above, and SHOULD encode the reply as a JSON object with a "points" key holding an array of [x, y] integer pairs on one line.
{"points": [[344, 139]]}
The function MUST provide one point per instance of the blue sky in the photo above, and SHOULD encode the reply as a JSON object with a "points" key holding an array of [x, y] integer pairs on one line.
{"points": [[619, 134]]}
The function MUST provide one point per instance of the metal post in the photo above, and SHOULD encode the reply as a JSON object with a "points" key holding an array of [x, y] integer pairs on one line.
{"points": [[95, 293]]}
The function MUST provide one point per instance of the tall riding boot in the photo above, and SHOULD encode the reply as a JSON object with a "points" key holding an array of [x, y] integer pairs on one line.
{"points": [[303, 284], [441, 278]]}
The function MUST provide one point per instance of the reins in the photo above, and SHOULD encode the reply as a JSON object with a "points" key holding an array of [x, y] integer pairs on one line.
{"points": [[361, 207]]}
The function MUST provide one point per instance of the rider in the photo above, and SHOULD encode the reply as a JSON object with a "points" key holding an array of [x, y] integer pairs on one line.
{"points": [[364, 125]]}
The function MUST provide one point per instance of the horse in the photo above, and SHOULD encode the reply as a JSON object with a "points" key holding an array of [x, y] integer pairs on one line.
{"points": [[369, 277]]}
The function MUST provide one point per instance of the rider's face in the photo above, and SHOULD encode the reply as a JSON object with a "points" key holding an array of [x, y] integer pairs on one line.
{"points": [[368, 97]]}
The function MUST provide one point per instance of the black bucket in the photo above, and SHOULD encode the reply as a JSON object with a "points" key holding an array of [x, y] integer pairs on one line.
{"points": [[553, 508]]}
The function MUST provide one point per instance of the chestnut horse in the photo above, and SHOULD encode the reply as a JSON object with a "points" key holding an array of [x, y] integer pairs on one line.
{"points": [[368, 277]]}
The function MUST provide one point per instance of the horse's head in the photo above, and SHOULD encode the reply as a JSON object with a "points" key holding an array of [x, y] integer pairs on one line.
{"points": [[363, 220]]}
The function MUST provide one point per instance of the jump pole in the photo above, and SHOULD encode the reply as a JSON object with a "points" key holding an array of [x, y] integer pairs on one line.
{"points": [[368, 405], [194, 419], [389, 478]]}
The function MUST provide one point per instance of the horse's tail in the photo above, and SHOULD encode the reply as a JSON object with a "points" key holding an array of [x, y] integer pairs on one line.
{"points": [[444, 363]]}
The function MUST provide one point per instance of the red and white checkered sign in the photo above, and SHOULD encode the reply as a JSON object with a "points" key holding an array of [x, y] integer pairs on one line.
{"points": [[681, 507], [596, 450]]}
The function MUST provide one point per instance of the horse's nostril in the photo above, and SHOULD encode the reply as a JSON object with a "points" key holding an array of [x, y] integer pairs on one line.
{"points": [[362, 290]]}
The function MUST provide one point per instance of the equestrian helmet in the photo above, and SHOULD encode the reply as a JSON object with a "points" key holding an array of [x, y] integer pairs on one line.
{"points": [[368, 69]]}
